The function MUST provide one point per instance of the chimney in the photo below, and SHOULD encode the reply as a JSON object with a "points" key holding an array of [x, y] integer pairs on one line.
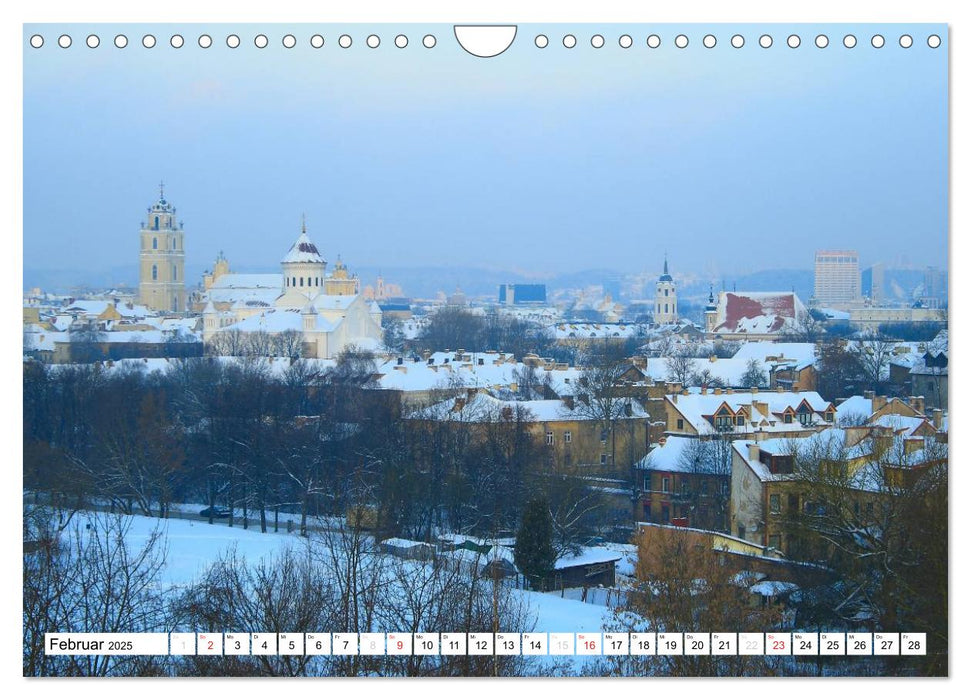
{"points": [[569, 402], [704, 390], [937, 418], [713, 358], [779, 389], [674, 398], [878, 402], [869, 395], [920, 404], [753, 451], [755, 390], [685, 392], [729, 390], [718, 391]]}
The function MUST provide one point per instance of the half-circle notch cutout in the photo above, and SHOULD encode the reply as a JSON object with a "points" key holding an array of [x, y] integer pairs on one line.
{"points": [[485, 40]]}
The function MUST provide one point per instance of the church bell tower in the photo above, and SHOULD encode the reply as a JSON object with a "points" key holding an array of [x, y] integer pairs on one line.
{"points": [[161, 285]]}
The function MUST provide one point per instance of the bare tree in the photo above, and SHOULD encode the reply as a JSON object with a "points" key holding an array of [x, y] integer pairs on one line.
{"points": [[681, 367], [87, 578], [288, 343]]}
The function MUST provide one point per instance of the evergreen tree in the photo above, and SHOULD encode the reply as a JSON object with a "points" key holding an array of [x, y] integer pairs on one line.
{"points": [[534, 553]]}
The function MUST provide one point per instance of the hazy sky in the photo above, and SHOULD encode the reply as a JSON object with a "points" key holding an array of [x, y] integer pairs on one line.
{"points": [[548, 160]]}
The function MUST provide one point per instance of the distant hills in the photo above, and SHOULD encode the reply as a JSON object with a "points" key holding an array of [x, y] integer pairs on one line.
{"points": [[426, 282]]}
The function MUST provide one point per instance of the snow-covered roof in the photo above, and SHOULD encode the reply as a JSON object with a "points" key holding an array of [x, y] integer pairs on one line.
{"points": [[303, 250], [278, 321], [235, 287], [901, 425], [800, 354], [483, 408], [773, 588], [757, 312], [671, 456], [587, 556], [764, 410], [856, 406], [563, 331]]}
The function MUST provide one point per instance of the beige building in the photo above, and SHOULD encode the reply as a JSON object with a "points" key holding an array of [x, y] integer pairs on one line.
{"points": [[326, 309], [161, 285], [838, 284]]}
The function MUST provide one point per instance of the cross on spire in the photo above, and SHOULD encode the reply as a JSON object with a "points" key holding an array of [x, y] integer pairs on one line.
{"points": [[303, 223], [161, 189]]}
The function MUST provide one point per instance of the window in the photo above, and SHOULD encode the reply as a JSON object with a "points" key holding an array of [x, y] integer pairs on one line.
{"points": [[175, 273], [603, 458], [603, 436], [775, 503], [724, 422], [154, 272], [739, 420], [829, 416], [568, 436], [549, 437], [787, 418], [793, 503], [173, 244], [775, 541], [301, 281], [805, 418], [666, 484], [155, 244], [741, 532], [647, 482], [665, 292], [680, 424], [156, 223]]}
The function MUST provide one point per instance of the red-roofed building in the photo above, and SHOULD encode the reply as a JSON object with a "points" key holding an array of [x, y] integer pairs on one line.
{"points": [[754, 315]]}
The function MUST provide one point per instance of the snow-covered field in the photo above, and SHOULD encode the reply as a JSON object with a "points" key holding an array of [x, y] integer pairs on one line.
{"points": [[192, 546]]}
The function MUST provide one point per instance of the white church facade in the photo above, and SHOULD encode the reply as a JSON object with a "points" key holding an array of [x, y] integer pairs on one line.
{"points": [[326, 308]]}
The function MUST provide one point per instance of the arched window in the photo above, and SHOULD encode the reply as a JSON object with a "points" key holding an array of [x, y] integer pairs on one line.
{"points": [[156, 223], [175, 273], [155, 244], [154, 272], [173, 244], [301, 281], [293, 283]]}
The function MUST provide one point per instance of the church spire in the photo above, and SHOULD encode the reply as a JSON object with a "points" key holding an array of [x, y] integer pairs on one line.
{"points": [[303, 223], [665, 262]]}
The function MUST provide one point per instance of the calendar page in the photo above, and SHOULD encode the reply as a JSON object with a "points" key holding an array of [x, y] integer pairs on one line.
{"points": [[510, 349]]}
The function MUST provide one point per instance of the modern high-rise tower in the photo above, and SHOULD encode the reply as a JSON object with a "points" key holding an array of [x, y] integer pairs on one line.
{"points": [[838, 283]]}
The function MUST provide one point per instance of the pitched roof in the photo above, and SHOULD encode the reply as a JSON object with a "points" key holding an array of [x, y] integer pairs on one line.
{"points": [[756, 312]]}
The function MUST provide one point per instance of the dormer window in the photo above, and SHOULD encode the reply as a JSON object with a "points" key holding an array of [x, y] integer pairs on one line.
{"points": [[829, 416]]}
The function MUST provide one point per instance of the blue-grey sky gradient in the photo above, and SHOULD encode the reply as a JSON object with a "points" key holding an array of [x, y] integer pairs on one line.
{"points": [[553, 160]]}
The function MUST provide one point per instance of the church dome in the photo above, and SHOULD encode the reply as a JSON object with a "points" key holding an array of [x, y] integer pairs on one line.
{"points": [[303, 251]]}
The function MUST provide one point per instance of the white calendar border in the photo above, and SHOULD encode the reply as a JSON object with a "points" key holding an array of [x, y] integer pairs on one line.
{"points": [[707, 11]]}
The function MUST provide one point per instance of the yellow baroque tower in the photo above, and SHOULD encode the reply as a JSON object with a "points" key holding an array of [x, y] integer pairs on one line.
{"points": [[161, 283]]}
